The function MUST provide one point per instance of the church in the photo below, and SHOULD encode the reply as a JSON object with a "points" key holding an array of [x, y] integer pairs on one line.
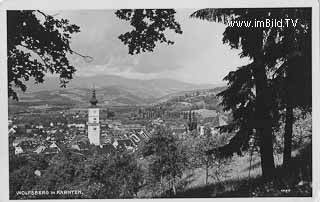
{"points": [[93, 121]]}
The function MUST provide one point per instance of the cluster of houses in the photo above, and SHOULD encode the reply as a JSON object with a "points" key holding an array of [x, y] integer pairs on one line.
{"points": [[114, 140], [27, 145], [52, 139]]}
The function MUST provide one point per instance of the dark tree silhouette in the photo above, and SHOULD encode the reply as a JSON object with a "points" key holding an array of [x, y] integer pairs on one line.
{"points": [[149, 27], [37, 44], [250, 95]]}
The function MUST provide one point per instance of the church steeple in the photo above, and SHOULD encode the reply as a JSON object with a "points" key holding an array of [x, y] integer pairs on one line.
{"points": [[93, 99], [93, 121]]}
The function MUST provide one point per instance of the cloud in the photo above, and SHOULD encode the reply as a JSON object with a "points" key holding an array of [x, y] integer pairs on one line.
{"points": [[198, 55]]}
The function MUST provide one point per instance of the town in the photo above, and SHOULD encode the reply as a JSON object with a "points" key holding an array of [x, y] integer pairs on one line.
{"points": [[48, 132]]}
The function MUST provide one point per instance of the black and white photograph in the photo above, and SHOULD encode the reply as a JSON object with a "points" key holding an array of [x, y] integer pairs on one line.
{"points": [[145, 103]]}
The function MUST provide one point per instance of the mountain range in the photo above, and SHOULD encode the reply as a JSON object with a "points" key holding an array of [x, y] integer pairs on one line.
{"points": [[110, 90]]}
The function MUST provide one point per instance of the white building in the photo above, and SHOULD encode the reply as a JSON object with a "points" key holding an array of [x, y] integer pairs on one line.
{"points": [[93, 121], [18, 150]]}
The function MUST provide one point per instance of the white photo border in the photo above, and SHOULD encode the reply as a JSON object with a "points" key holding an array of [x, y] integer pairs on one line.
{"points": [[179, 4]]}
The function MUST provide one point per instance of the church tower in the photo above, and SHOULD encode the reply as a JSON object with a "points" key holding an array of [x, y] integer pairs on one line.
{"points": [[93, 121]]}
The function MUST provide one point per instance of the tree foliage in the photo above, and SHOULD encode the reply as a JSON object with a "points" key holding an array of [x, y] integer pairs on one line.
{"points": [[302, 131], [21, 172], [65, 172], [213, 162], [150, 26], [167, 157], [116, 176], [37, 43], [96, 175]]}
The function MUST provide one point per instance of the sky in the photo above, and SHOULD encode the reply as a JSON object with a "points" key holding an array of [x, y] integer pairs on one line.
{"points": [[197, 56]]}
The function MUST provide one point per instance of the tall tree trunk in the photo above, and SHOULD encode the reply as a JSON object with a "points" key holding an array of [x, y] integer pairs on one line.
{"points": [[288, 136], [207, 171], [289, 122], [174, 188], [262, 114], [263, 124], [161, 181]]}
